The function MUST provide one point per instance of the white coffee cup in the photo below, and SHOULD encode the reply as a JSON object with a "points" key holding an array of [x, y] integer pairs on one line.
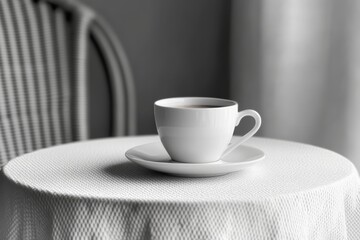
{"points": [[199, 129]]}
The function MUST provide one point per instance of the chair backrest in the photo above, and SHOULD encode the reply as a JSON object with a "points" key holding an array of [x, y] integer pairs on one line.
{"points": [[43, 75]]}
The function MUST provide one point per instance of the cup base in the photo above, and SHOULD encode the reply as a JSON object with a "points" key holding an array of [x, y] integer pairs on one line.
{"points": [[194, 162]]}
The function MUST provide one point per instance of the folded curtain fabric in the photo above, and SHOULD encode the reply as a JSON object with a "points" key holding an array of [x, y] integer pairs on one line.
{"points": [[297, 63]]}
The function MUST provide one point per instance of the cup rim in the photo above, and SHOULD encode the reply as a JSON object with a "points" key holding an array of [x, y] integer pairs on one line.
{"points": [[166, 103]]}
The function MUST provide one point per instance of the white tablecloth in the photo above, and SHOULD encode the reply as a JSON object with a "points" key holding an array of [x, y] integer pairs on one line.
{"points": [[89, 190]]}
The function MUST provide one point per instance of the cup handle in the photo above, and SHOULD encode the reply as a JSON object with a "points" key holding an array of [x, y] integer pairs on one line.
{"points": [[248, 135]]}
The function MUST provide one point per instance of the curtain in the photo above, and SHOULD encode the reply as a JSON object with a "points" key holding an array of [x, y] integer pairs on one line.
{"points": [[298, 63]]}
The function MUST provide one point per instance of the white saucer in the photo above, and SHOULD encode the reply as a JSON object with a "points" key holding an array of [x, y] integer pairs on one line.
{"points": [[154, 156]]}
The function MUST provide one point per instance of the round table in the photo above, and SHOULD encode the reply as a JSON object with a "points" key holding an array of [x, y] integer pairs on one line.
{"points": [[89, 190]]}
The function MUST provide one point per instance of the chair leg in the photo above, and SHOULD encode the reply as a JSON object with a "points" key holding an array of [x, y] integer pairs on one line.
{"points": [[4, 205]]}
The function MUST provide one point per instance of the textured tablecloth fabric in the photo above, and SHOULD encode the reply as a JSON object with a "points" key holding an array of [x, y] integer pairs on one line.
{"points": [[89, 190]]}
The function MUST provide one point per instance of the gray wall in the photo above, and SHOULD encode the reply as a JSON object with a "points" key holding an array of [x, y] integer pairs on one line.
{"points": [[175, 48]]}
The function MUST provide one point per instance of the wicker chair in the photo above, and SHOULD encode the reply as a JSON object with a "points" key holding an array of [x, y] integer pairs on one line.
{"points": [[43, 76], [43, 73]]}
